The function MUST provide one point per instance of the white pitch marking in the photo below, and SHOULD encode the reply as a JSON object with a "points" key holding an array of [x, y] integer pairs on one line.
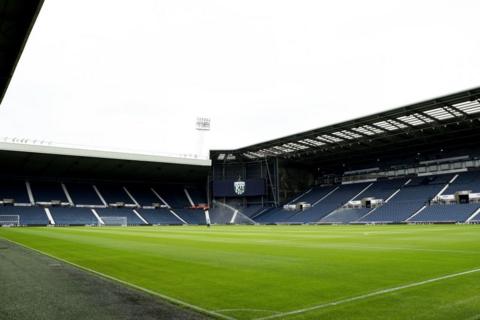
{"points": [[369, 295], [106, 276], [247, 309]]}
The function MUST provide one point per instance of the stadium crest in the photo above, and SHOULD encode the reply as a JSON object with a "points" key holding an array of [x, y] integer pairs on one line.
{"points": [[239, 187]]}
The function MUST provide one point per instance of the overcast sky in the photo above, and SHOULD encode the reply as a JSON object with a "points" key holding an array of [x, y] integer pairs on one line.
{"points": [[134, 75]]}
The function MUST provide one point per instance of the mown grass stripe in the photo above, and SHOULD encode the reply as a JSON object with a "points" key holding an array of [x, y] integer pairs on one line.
{"points": [[369, 295], [168, 298]]}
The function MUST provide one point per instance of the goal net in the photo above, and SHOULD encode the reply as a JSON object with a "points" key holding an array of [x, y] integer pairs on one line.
{"points": [[114, 221], [9, 220]]}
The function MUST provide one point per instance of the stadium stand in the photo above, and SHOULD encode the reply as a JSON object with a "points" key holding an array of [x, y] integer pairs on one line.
{"points": [[73, 216], [411, 198], [132, 218], [29, 216], [275, 215], [325, 175], [191, 216], [428, 142], [338, 197], [114, 193], [47, 192], [446, 213], [159, 216], [251, 210], [345, 215], [173, 195], [378, 190], [226, 214], [84, 197], [221, 215], [382, 189], [466, 181], [311, 196], [83, 194], [14, 189], [198, 196], [143, 195]]}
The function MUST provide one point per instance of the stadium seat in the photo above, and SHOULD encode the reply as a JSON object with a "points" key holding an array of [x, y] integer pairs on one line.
{"points": [[14, 189], [275, 215], [191, 216], [159, 216], [409, 200], [173, 195], [446, 213], [83, 194], [143, 194], [251, 210], [47, 191], [378, 190], [280, 215], [334, 200], [114, 193], [465, 181], [345, 215], [28, 215], [132, 218], [198, 196], [73, 216]]}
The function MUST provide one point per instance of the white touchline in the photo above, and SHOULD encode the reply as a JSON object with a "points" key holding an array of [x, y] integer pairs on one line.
{"points": [[246, 309], [173, 300], [368, 295]]}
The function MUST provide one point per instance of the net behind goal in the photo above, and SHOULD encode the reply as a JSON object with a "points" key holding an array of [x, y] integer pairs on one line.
{"points": [[114, 221], [9, 220]]}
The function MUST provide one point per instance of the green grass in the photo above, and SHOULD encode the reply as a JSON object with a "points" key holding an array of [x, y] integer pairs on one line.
{"points": [[257, 271]]}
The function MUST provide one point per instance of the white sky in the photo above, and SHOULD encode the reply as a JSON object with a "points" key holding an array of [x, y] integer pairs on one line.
{"points": [[135, 74]]}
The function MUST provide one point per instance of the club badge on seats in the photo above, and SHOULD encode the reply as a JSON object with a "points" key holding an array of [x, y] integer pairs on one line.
{"points": [[239, 187]]}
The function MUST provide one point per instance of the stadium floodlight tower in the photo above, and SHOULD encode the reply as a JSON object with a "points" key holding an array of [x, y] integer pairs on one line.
{"points": [[202, 126]]}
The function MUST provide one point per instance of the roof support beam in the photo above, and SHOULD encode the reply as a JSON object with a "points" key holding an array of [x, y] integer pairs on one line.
{"points": [[459, 111], [427, 116]]}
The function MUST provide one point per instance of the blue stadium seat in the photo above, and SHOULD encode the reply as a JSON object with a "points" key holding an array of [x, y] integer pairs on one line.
{"points": [[465, 181], [333, 201], [83, 194], [315, 194], [275, 215], [159, 216], [251, 210], [279, 215], [28, 215], [132, 218], [345, 215], [173, 195], [14, 189], [143, 195], [446, 213], [379, 190], [113, 193], [394, 211], [409, 200], [191, 216], [73, 216], [198, 196], [382, 189], [47, 191]]}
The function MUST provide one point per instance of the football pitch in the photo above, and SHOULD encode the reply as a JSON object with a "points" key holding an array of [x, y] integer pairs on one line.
{"points": [[284, 272]]}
